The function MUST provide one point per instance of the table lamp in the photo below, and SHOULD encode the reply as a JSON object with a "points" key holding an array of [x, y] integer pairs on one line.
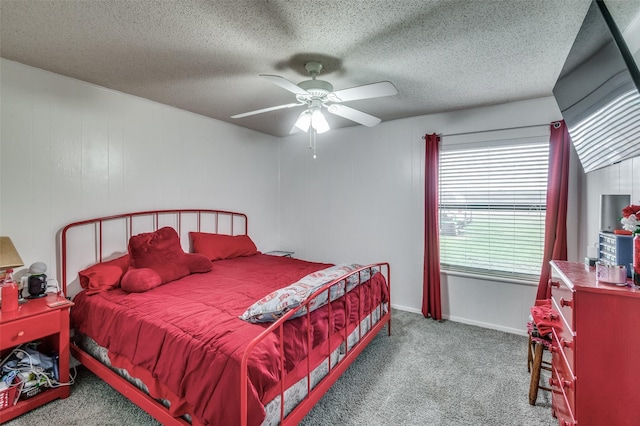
{"points": [[9, 257]]}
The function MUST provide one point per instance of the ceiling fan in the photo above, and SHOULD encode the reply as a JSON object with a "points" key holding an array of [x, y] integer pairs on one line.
{"points": [[317, 95]]}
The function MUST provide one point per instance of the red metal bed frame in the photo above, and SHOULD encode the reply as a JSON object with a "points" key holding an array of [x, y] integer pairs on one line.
{"points": [[211, 219]]}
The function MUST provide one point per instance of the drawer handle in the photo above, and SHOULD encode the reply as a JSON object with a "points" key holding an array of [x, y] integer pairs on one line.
{"points": [[565, 383], [566, 343], [554, 283], [564, 302]]}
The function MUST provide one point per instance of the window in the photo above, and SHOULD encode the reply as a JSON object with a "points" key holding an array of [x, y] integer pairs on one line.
{"points": [[492, 199]]}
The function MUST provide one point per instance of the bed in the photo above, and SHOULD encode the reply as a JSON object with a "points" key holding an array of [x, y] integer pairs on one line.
{"points": [[212, 346]]}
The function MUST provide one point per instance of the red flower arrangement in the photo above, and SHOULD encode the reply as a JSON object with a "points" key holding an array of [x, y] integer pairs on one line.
{"points": [[631, 218], [631, 223]]}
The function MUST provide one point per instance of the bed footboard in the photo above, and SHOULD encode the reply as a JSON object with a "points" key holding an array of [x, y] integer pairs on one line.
{"points": [[351, 351]]}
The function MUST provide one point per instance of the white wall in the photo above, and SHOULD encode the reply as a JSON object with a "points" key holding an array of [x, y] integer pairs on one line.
{"points": [[621, 178], [70, 150], [362, 200]]}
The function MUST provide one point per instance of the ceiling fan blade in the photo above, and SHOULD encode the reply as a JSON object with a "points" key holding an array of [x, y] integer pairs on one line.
{"points": [[260, 111], [373, 90], [353, 115], [285, 84]]}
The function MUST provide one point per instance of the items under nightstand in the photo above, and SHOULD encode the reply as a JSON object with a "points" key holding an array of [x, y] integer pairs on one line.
{"points": [[45, 320]]}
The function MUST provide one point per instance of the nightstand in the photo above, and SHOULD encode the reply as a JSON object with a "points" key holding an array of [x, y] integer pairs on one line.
{"points": [[280, 253], [35, 320]]}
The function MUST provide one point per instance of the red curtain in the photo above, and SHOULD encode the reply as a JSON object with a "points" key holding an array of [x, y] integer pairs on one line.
{"points": [[555, 234], [431, 269]]}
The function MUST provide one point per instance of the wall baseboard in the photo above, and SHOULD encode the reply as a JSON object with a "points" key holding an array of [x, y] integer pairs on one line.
{"points": [[522, 332], [406, 309]]}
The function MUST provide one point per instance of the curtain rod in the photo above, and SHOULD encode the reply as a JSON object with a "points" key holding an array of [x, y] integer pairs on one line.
{"points": [[497, 130]]}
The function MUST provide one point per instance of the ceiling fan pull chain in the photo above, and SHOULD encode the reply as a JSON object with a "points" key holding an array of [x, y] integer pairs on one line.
{"points": [[313, 138]]}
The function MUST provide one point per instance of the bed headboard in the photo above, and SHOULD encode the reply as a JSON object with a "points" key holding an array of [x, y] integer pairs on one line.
{"points": [[91, 241]]}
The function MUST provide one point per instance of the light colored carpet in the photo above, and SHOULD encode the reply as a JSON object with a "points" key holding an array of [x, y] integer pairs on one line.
{"points": [[425, 373]]}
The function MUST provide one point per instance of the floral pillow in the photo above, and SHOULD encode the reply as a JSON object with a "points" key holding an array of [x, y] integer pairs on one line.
{"points": [[276, 304]]}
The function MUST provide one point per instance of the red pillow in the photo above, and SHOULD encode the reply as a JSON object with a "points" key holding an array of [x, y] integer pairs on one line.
{"points": [[160, 251], [140, 280], [197, 263], [218, 246], [104, 276]]}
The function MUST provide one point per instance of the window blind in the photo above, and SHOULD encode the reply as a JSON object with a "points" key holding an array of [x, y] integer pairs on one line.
{"points": [[492, 204]]}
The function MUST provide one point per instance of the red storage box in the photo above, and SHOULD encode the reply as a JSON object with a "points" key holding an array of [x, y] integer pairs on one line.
{"points": [[9, 396]]}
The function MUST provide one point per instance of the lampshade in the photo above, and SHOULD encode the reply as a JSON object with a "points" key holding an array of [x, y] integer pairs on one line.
{"points": [[9, 257], [312, 117], [304, 120], [319, 122]]}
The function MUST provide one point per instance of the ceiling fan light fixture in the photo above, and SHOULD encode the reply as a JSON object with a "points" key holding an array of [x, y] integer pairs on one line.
{"points": [[319, 122], [312, 118], [304, 121]]}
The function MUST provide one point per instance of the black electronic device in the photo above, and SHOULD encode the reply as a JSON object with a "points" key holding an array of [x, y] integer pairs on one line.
{"points": [[598, 93], [37, 286]]}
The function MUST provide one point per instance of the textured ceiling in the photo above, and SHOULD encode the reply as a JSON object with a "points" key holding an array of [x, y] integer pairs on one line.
{"points": [[205, 56]]}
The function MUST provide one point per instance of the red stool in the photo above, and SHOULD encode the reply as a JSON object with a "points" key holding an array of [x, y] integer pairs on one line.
{"points": [[535, 363]]}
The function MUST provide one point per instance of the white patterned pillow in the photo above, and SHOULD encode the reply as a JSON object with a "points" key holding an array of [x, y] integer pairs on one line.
{"points": [[274, 305]]}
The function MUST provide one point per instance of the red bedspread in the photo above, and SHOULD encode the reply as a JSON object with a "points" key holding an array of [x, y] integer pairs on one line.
{"points": [[188, 336]]}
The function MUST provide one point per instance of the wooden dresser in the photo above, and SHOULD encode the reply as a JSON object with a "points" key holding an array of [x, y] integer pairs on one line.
{"points": [[596, 351]]}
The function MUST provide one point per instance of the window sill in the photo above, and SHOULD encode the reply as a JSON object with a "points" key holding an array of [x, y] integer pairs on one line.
{"points": [[489, 278]]}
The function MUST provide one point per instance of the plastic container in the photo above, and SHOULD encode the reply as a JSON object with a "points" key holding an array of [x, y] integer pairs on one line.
{"points": [[9, 293], [614, 274], [9, 397]]}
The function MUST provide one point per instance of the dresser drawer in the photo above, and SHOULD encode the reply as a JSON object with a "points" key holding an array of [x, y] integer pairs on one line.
{"points": [[564, 340], [28, 329], [562, 299], [562, 408], [563, 377]]}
